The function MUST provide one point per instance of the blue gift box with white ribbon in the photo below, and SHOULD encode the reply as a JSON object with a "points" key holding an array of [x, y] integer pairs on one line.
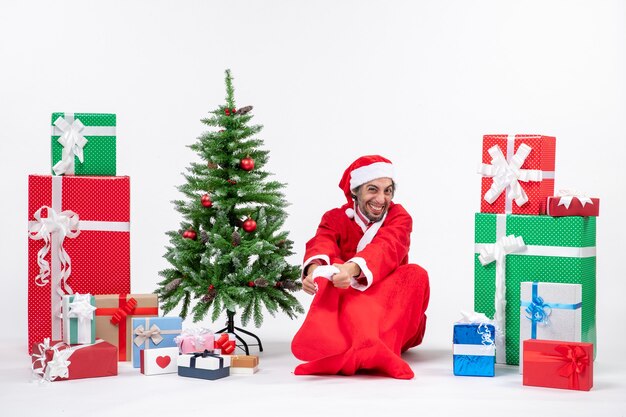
{"points": [[154, 332], [474, 352], [550, 311]]}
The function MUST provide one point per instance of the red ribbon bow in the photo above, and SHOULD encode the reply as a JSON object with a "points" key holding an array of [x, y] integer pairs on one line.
{"points": [[576, 361], [122, 312], [225, 344]]}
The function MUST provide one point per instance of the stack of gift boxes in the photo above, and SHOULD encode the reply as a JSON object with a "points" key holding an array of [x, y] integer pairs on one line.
{"points": [[534, 268], [82, 318]]}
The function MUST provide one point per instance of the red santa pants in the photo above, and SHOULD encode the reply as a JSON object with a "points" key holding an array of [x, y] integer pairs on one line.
{"points": [[347, 330]]}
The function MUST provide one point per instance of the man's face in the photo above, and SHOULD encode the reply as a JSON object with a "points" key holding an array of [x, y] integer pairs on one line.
{"points": [[373, 198]]}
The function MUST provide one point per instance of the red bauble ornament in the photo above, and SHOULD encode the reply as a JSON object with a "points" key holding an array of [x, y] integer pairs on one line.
{"points": [[249, 225], [247, 164], [250, 283], [227, 112], [206, 201], [190, 234], [233, 182], [211, 287], [278, 284]]}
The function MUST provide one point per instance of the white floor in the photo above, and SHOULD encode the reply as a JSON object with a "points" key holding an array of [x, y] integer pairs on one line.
{"points": [[275, 391]]}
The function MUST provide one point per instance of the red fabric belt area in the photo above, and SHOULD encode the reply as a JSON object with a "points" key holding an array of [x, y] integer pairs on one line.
{"points": [[124, 312]]}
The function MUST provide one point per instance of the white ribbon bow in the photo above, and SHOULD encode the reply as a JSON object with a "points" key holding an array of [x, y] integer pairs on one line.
{"points": [[73, 143], [58, 367], [474, 318], [154, 334], [504, 246], [65, 225], [198, 337], [508, 174], [568, 195], [81, 309]]}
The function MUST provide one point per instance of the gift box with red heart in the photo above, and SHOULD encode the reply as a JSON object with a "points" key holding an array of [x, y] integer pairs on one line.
{"points": [[558, 364], [159, 361]]}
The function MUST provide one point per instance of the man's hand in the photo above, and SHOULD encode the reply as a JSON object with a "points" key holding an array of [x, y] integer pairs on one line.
{"points": [[308, 285], [343, 278]]}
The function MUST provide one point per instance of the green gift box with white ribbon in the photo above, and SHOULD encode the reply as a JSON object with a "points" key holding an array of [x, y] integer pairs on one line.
{"points": [[510, 249], [79, 324], [83, 144]]}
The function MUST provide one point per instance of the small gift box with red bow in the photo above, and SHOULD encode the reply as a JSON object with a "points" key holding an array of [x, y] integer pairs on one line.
{"points": [[226, 343], [158, 361], [195, 340], [79, 321], [571, 203], [114, 313], [154, 332], [518, 173], [558, 364], [58, 361], [205, 365]]}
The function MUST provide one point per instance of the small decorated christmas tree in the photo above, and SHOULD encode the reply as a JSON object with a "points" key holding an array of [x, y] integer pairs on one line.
{"points": [[230, 253]]}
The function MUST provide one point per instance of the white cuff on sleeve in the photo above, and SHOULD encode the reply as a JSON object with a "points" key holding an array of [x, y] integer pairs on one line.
{"points": [[365, 271], [325, 260]]}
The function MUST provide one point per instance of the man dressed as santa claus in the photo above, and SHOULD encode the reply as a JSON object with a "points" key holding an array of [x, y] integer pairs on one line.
{"points": [[369, 302]]}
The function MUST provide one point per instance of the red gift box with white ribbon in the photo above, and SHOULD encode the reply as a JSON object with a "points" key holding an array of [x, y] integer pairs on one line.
{"points": [[79, 242], [518, 173], [558, 364], [58, 361], [571, 203]]}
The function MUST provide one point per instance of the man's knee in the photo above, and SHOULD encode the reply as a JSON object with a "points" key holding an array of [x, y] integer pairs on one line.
{"points": [[414, 272]]}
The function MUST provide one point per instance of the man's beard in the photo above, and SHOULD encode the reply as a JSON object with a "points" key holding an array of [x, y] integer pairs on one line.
{"points": [[370, 216]]}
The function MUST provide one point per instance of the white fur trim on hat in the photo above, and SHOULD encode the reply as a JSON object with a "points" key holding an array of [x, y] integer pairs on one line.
{"points": [[371, 172]]}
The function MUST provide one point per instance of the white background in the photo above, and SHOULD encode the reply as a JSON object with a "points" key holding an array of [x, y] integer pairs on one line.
{"points": [[419, 82]]}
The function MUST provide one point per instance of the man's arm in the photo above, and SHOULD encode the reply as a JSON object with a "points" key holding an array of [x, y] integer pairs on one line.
{"points": [[322, 249]]}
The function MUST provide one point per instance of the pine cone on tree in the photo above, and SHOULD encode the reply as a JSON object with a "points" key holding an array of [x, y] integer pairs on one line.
{"points": [[210, 295], [204, 237], [212, 165], [260, 282], [289, 285], [172, 285], [244, 110], [236, 238]]}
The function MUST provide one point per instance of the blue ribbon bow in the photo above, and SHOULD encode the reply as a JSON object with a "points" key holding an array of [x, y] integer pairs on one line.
{"points": [[538, 311]]}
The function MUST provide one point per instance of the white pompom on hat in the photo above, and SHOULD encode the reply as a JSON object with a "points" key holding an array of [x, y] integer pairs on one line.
{"points": [[365, 169]]}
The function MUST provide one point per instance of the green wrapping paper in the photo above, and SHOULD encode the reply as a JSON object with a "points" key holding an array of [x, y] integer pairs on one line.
{"points": [[558, 249], [87, 136]]}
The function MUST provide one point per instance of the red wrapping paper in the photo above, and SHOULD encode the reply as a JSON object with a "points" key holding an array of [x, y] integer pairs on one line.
{"points": [[541, 158], [90, 361], [100, 259], [575, 208], [558, 364]]}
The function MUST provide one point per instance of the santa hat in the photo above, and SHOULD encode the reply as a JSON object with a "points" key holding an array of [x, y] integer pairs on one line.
{"points": [[365, 169]]}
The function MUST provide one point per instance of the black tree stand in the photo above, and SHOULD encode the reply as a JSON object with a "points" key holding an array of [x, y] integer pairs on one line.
{"points": [[230, 328]]}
